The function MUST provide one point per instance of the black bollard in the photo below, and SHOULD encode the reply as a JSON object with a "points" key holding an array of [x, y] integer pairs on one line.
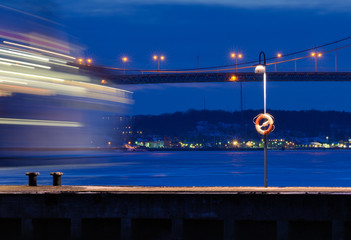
{"points": [[56, 178], [32, 178]]}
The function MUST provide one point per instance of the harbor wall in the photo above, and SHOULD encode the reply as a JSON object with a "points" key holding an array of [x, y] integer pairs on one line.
{"points": [[182, 215]]}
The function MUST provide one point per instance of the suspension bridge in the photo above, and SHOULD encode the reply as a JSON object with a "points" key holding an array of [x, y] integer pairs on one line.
{"points": [[242, 72]]}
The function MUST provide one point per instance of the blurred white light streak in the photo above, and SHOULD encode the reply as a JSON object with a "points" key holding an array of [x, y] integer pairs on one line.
{"points": [[11, 81], [31, 75], [34, 122], [24, 55], [64, 65], [38, 49], [16, 65], [103, 88], [57, 60], [25, 63]]}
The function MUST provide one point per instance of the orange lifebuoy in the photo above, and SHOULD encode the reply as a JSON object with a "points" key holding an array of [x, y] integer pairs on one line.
{"points": [[268, 123]]}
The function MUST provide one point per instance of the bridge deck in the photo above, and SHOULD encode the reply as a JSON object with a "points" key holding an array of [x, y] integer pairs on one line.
{"points": [[227, 77]]}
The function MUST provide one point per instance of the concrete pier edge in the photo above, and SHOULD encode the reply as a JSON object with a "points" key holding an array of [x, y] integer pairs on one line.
{"points": [[136, 212]]}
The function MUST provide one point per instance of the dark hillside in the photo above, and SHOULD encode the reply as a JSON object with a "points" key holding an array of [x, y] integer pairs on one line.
{"points": [[336, 125]]}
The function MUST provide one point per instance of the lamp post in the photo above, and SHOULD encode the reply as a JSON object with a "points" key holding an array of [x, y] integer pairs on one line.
{"points": [[124, 60], [261, 69], [336, 57], [315, 55], [233, 55], [275, 61], [158, 59]]}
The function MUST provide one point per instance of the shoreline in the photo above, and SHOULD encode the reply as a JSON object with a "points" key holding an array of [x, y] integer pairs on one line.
{"points": [[109, 149]]}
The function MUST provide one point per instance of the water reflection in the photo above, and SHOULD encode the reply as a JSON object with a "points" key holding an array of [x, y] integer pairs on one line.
{"points": [[293, 168]]}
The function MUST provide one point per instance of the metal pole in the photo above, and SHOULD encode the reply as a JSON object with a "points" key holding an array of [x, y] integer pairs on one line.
{"points": [[236, 64], [264, 92], [265, 136], [265, 160], [295, 62], [315, 63], [241, 96], [275, 65], [336, 61], [158, 64]]}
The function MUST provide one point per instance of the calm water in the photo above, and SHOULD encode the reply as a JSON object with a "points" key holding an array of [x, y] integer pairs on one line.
{"points": [[285, 168]]}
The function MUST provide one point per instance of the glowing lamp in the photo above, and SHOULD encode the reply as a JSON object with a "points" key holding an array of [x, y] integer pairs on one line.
{"points": [[260, 69], [233, 78]]}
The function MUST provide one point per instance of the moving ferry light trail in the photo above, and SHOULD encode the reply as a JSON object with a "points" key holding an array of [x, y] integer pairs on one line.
{"points": [[46, 100]]}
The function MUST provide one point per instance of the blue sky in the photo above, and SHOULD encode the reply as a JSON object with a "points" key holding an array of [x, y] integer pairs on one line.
{"points": [[183, 30]]}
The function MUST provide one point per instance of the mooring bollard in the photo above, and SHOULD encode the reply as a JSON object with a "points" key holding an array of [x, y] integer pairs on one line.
{"points": [[56, 178], [32, 178]]}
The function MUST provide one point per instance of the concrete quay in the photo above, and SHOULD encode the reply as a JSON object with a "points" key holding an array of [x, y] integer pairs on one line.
{"points": [[133, 212]]}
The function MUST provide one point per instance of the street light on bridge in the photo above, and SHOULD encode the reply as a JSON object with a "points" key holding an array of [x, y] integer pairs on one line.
{"points": [[279, 55], [233, 55], [158, 59], [315, 55], [123, 65], [233, 78]]}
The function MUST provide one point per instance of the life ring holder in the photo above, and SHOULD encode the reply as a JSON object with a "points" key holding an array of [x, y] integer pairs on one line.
{"points": [[269, 122]]}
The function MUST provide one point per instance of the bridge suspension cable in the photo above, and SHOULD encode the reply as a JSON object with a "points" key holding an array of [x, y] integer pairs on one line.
{"points": [[234, 66]]}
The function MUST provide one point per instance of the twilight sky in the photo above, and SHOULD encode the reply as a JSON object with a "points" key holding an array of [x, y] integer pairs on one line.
{"points": [[183, 30]]}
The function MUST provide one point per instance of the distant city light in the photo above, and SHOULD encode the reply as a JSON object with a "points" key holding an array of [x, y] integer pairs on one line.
{"points": [[279, 55], [89, 60], [124, 59], [162, 58], [155, 57], [233, 55], [313, 54], [80, 60], [319, 54], [240, 56]]}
